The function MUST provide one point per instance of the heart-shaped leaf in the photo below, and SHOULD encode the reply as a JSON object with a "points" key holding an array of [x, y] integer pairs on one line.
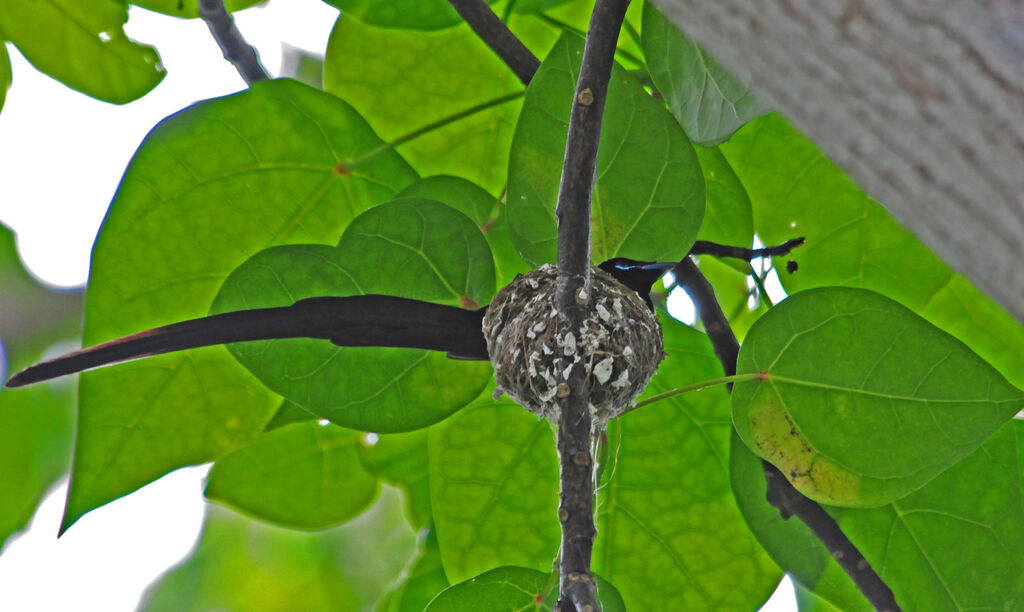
{"points": [[409, 247], [489, 212], [210, 186], [306, 475], [859, 401], [648, 200]]}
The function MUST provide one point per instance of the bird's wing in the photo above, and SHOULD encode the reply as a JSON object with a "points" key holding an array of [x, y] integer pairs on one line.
{"points": [[362, 320]]}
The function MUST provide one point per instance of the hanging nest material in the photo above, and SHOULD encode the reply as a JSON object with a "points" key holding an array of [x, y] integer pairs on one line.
{"points": [[619, 344]]}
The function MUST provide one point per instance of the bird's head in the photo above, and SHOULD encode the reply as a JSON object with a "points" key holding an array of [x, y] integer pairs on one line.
{"points": [[637, 275]]}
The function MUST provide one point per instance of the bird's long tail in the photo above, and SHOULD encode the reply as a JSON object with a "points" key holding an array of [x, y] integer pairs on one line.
{"points": [[362, 320]]}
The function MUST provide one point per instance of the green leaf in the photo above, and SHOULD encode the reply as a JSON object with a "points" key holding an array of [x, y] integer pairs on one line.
{"points": [[515, 589], [287, 413], [670, 534], [306, 476], [807, 601], [210, 186], [484, 209], [649, 196], [363, 61], [852, 241], [728, 218], [408, 247], [789, 542], [36, 429], [188, 8], [537, 6], [36, 423], [494, 489], [421, 582], [861, 401], [244, 564], [402, 14], [5, 72], [83, 45], [952, 545], [401, 461], [708, 101]]}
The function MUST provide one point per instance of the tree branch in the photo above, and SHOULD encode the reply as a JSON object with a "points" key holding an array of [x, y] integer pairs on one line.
{"points": [[493, 31], [781, 493], [231, 42], [576, 510]]}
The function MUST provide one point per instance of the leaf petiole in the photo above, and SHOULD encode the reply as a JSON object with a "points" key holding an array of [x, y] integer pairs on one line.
{"points": [[344, 167], [701, 385]]}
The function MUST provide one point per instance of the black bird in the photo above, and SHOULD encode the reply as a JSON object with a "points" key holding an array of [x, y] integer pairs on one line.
{"points": [[360, 320]]}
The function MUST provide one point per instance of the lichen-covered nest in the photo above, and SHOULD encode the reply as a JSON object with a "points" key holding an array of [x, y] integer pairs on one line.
{"points": [[619, 343]]}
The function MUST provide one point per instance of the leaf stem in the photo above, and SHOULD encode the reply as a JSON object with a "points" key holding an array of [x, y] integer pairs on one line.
{"points": [[344, 167], [760, 286], [704, 384]]}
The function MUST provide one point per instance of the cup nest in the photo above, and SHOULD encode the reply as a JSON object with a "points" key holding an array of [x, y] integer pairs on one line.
{"points": [[619, 344]]}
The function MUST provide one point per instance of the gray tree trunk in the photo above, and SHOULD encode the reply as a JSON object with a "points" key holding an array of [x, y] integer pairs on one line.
{"points": [[920, 101]]}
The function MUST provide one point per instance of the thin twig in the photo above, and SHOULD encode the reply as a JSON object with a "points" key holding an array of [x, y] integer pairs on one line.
{"points": [[703, 247], [493, 31], [781, 493], [231, 42], [576, 510]]}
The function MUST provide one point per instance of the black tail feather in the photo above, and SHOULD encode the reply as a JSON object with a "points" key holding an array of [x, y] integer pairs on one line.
{"points": [[362, 320]]}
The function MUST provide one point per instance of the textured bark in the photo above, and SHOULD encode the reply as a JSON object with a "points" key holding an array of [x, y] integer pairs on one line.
{"points": [[920, 101]]}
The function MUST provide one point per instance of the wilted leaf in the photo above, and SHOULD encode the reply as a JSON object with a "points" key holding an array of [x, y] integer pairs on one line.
{"points": [[860, 401]]}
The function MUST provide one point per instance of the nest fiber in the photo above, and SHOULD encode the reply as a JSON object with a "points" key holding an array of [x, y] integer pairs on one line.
{"points": [[532, 349]]}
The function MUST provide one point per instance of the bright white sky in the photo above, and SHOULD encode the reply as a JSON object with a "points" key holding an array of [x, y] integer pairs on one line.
{"points": [[61, 159]]}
